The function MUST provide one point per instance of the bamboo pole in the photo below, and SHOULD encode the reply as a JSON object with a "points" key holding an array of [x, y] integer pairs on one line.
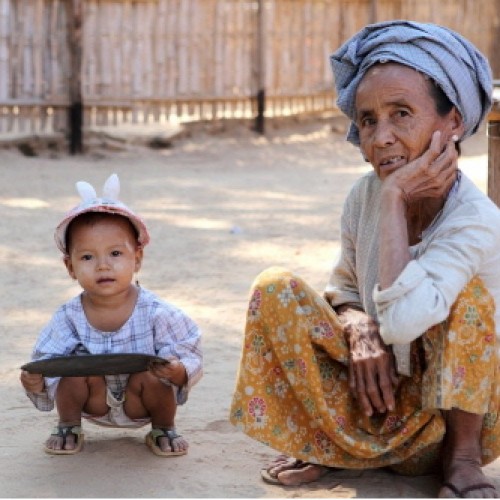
{"points": [[5, 67], [373, 11], [38, 50], [261, 63], [75, 19], [494, 150]]}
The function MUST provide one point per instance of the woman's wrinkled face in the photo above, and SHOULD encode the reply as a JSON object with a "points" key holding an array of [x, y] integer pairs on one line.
{"points": [[396, 116]]}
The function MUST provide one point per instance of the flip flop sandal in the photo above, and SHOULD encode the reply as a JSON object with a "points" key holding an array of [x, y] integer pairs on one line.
{"points": [[268, 478], [63, 431], [461, 493], [152, 441], [294, 465]]}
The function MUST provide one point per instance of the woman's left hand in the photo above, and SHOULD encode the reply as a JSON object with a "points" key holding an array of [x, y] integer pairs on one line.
{"points": [[174, 371], [372, 372]]}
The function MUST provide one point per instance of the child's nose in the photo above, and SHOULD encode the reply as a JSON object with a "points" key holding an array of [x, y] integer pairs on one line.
{"points": [[102, 263]]}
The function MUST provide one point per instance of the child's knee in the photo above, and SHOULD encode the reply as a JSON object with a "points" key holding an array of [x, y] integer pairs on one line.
{"points": [[139, 382], [74, 385]]}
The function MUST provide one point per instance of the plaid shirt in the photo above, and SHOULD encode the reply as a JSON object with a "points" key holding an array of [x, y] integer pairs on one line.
{"points": [[155, 327]]}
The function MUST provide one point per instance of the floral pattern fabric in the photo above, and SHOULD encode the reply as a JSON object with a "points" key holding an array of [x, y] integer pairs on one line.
{"points": [[292, 391]]}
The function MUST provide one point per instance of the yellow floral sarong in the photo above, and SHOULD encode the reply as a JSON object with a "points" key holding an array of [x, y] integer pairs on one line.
{"points": [[292, 391]]}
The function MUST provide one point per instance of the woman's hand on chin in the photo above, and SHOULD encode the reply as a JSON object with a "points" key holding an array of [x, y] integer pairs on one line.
{"points": [[431, 175]]}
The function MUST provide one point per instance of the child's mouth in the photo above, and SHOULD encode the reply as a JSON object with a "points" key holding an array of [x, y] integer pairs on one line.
{"points": [[105, 280]]}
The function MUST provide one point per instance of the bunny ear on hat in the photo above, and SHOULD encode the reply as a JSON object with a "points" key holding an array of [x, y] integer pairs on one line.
{"points": [[111, 187], [109, 203], [86, 191]]}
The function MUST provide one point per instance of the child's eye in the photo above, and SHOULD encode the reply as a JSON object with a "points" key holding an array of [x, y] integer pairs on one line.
{"points": [[116, 253], [86, 257]]}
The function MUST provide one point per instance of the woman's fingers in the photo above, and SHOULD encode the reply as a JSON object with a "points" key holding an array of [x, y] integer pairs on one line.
{"points": [[385, 382], [362, 397], [372, 389], [430, 175], [438, 152], [371, 373], [435, 147], [352, 378], [375, 381]]}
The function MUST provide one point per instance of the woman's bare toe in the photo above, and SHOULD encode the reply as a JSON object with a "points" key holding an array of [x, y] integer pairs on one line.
{"points": [[307, 473], [292, 472]]}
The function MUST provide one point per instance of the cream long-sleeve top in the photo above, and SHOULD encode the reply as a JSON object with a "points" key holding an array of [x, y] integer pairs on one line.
{"points": [[463, 241]]}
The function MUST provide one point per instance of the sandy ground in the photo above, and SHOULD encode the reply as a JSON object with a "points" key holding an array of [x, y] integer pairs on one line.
{"points": [[221, 208]]}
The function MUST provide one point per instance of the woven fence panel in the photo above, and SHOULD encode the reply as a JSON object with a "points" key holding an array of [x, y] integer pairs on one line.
{"points": [[155, 60]]}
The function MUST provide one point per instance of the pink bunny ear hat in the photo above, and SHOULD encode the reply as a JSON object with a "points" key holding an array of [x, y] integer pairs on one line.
{"points": [[109, 203]]}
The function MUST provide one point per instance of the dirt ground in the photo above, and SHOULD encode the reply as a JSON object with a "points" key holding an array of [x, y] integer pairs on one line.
{"points": [[221, 207]]}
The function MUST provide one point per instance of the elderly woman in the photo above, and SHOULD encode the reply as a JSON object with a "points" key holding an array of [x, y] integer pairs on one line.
{"points": [[397, 365]]}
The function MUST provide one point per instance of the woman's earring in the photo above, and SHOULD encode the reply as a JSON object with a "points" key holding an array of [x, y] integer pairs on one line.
{"points": [[454, 138]]}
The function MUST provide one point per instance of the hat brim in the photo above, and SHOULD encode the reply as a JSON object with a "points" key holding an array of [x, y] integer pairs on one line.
{"points": [[115, 208]]}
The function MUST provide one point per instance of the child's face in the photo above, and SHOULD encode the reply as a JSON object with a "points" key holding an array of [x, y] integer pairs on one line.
{"points": [[104, 256]]}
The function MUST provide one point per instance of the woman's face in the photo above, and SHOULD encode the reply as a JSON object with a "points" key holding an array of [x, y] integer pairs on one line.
{"points": [[396, 116]]}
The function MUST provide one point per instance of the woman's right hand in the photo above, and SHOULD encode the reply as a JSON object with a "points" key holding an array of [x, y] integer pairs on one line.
{"points": [[372, 372], [32, 382], [431, 175]]}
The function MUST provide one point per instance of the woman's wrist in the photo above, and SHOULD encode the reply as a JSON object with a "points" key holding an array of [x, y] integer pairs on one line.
{"points": [[347, 306], [393, 197]]}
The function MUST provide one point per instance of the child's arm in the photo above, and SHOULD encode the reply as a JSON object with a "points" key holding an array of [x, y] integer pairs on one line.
{"points": [[177, 338], [174, 371], [57, 338]]}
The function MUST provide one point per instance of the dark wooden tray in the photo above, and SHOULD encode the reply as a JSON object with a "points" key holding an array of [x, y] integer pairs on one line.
{"points": [[92, 364]]}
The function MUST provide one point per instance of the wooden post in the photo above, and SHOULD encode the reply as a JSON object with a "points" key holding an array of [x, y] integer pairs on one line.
{"points": [[261, 63], [75, 114], [373, 12], [494, 149]]}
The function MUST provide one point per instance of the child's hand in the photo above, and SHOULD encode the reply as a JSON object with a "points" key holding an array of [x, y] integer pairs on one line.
{"points": [[32, 382], [173, 371]]}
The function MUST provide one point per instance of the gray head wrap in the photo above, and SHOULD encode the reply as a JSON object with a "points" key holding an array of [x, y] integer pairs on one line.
{"points": [[446, 57]]}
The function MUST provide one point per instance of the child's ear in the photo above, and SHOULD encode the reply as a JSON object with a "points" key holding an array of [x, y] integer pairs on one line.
{"points": [[139, 253], [69, 266]]}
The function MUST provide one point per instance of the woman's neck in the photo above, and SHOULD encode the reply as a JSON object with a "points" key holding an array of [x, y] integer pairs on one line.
{"points": [[420, 215]]}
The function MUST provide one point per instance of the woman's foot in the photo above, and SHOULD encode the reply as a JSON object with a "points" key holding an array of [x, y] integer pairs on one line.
{"points": [[291, 472], [462, 473], [465, 479]]}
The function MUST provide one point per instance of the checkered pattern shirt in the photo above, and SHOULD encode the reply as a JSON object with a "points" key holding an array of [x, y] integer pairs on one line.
{"points": [[155, 327]]}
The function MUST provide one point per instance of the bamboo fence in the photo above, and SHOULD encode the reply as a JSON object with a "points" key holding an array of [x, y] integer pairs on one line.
{"points": [[158, 60]]}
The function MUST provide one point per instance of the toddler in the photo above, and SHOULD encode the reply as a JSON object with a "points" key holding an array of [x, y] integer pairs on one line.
{"points": [[102, 241]]}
